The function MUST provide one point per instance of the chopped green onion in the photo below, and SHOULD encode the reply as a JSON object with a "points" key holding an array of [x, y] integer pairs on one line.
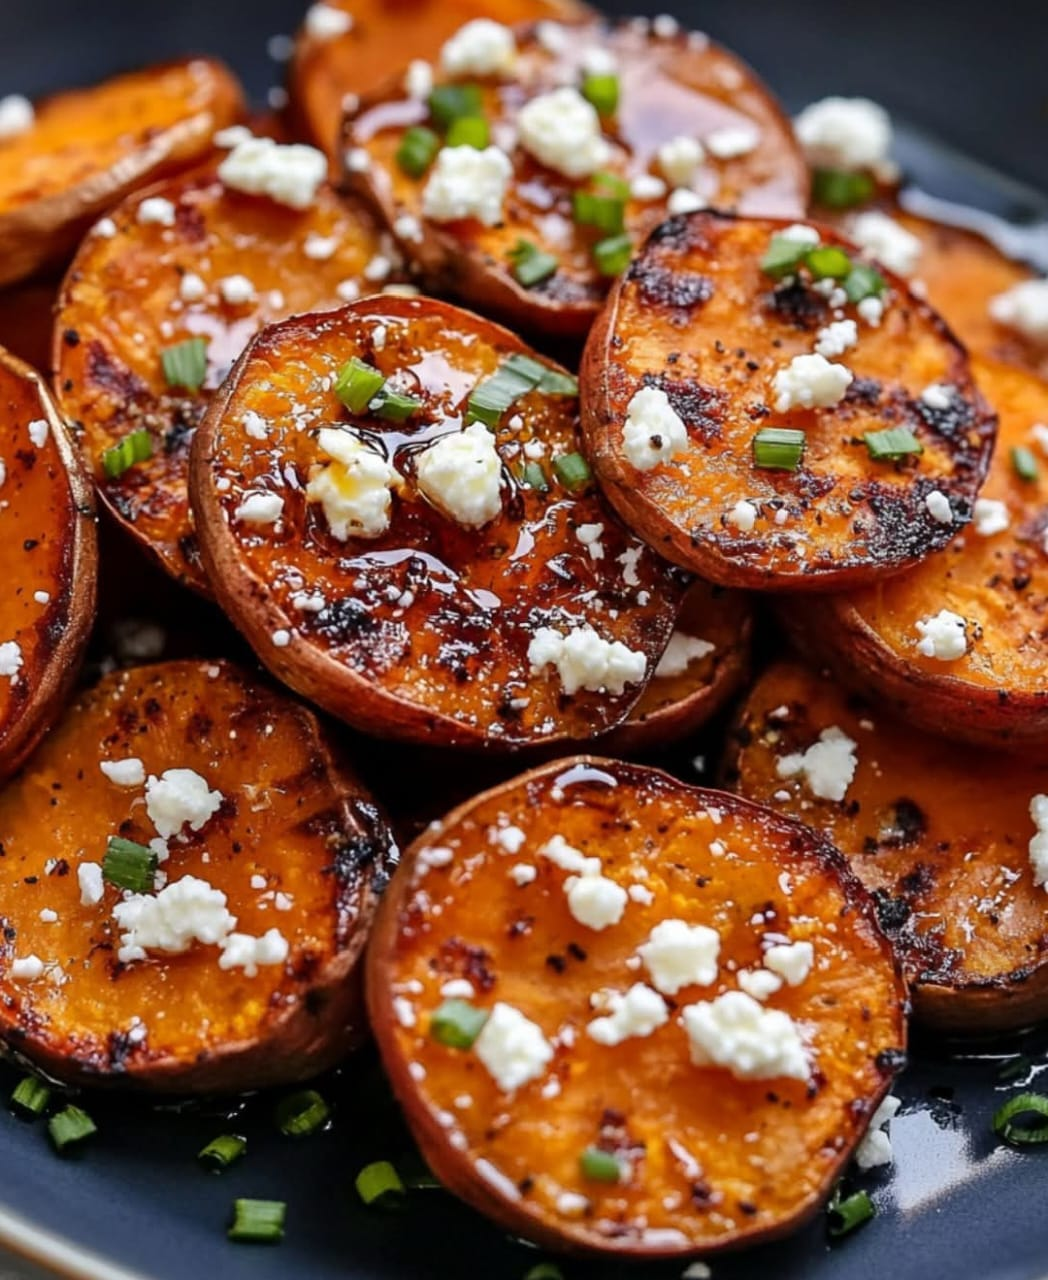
{"points": [[533, 477], [551, 382], [778, 448], [129, 865], [393, 406], [599, 1166], [849, 1213], [302, 1113], [69, 1128], [357, 384], [606, 213], [457, 1023], [828, 262], [258, 1221], [516, 376], [784, 256], [31, 1096], [450, 102], [863, 282], [612, 255], [544, 1271], [468, 131], [185, 364], [379, 1184], [892, 443], [1023, 1120], [417, 149], [839, 189], [223, 1151], [572, 470], [602, 91], [1024, 463], [611, 184], [137, 446], [530, 264]]}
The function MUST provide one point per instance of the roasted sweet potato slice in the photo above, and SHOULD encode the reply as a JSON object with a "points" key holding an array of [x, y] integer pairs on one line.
{"points": [[567, 1057], [87, 148], [332, 68], [977, 673], [371, 571], [940, 834], [561, 196], [139, 289], [27, 316], [48, 561], [267, 834], [701, 352]]}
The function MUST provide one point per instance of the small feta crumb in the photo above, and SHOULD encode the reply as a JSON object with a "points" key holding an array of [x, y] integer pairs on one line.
{"points": [[512, 1048], [407, 227], [684, 200], [260, 507], [255, 425], [325, 22], [810, 382], [1024, 309], [734, 1031], [236, 290], [92, 886], [10, 659], [939, 508], [177, 797], [290, 175], [791, 961], [595, 901], [875, 1149], [884, 239], [938, 395], [418, 79], [39, 430], [105, 228], [156, 211], [242, 951], [836, 338], [228, 138], [641, 893], [646, 186], [479, 48], [679, 159], [42, 597], [871, 310], [637, 1013], [320, 248], [568, 858], [734, 141], [355, 488], [281, 638], [27, 969], [562, 130], [743, 516], [552, 36], [844, 133], [758, 983], [680, 653], [990, 516], [585, 660], [1039, 840], [191, 288], [467, 183], [653, 431], [827, 767], [679, 955], [801, 233], [186, 911], [47, 916], [461, 474], [511, 839], [16, 116], [522, 873], [125, 773], [943, 636]]}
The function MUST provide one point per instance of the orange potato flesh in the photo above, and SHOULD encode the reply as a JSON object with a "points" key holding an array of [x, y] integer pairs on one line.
{"points": [[290, 814], [424, 630], [716, 1160], [121, 306], [385, 35], [88, 148], [848, 518], [998, 584], [668, 87], [939, 833], [48, 561]]}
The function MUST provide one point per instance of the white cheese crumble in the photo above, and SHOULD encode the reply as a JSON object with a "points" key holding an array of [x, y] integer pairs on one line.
{"points": [[479, 48], [236, 290], [734, 1031], [758, 983], [325, 22], [678, 954], [467, 183], [646, 186], [679, 159], [884, 239], [418, 79], [680, 653], [186, 911], [105, 228], [990, 516], [875, 1149], [522, 873], [39, 429], [319, 248], [844, 133], [568, 858], [562, 130], [10, 659], [653, 431], [1024, 309], [595, 901], [943, 636], [871, 310], [16, 115], [156, 211], [191, 288], [290, 175], [510, 839], [810, 382], [243, 951], [461, 474], [355, 488], [512, 1047], [260, 507], [177, 797], [92, 886], [937, 395], [743, 516], [733, 141], [637, 1013], [47, 916], [27, 969], [938, 505], [1039, 841], [836, 338], [827, 767], [585, 660], [125, 773], [791, 961], [683, 200]]}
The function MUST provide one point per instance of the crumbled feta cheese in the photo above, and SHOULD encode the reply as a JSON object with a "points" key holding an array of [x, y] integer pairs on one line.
{"points": [[156, 211], [645, 186], [104, 228], [467, 183], [637, 1013], [758, 983], [418, 79], [512, 1047], [236, 290], [884, 239], [792, 961], [16, 116], [938, 505], [553, 36], [827, 767], [562, 130], [522, 873], [47, 916], [290, 175], [355, 488], [679, 159], [590, 537], [280, 638], [1024, 308], [653, 431], [320, 248], [255, 425], [568, 858], [27, 969], [871, 310], [178, 797], [753, 1043], [42, 597], [92, 886], [260, 507], [680, 653], [801, 233], [39, 429], [185, 911], [585, 660], [938, 395], [511, 839], [595, 901], [990, 516], [743, 516], [1039, 841], [844, 133], [407, 227], [598, 61], [325, 22], [461, 473], [242, 951], [836, 338], [734, 141], [678, 954], [875, 1149], [479, 48], [10, 659], [125, 773], [233, 136], [943, 636], [191, 288], [684, 200], [810, 382]]}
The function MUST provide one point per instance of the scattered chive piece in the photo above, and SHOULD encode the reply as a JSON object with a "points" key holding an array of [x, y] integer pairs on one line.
{"points": [[612, 255], [450, 102], [417, 149], [393, 406], [516, 376], [828, 262], [69, 1127], [379, 1184], [1023, 1120], [847, 1214], [457, 1023], [258, 1221], [223, 1151], [185, 364], [129, 865], [357, 384], [606, 213], [545, 1271], [572, 470], [602, 91], [892, 443], [1024, 463], [302, 1113], [778, 448], [611, 184], [468, 131], [783, 256], [137, 446], [533, 477], [838, 189], [31, 1097], [599, 1166], [530, 264], [863, 282]]}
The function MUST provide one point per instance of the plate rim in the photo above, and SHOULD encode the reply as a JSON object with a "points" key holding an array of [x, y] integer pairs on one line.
{"points": [[57, 1253]]}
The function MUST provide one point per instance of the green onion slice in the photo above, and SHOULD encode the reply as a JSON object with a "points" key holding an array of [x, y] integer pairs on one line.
{"points": [[545, 1271], [129, 865], [185, 364], [258, 1221], [778, 448], [516, 376], [69, 1128], [457, 1023], [839, 189], [892, 443], [611, 184], [572, 470], [417, 150], [302, 1113], [393, 406], [606, 213], [530, 264], [599, 1166], [848, 1213], [450, 102], [30, 1097], [863, 282], [828, 262], [137, 446], [357, 384], [468, 131], [612, 255], [1023, 1120], [533, 477], [784, 256], [1024, 463], [379, 1185], [602, 91], [222, 1151]]}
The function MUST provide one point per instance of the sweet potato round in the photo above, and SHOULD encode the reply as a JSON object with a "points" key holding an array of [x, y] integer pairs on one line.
{"points": [[697, 317], [122, 305], [48, 561], [291, 813], [939, 833], [669, 86], [716, 1161], [422, 632], [996, 693], [88, 148]]}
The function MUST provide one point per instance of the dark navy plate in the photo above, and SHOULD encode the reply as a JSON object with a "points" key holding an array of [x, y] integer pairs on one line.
{"points": [[956, 1203]]}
